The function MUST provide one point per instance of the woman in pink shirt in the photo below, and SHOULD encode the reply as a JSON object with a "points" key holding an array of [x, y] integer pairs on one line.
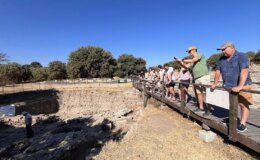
{"points": [[185, 76]]}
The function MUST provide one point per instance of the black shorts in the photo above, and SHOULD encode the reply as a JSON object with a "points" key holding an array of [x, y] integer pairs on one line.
{"points": [[171, 84], [184, 85]]}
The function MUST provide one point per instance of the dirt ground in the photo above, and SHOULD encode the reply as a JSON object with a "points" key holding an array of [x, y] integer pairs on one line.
{"points": [[87, 118], [76, 130], [165, 134]]}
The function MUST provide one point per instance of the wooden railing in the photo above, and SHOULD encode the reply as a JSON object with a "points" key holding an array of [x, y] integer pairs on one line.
{"points": [[148, 88]]}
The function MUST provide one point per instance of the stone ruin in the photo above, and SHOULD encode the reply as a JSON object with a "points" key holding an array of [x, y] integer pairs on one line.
{"points": [[67, 124]]}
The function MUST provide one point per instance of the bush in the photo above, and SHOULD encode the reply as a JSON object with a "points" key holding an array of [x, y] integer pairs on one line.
{"points": [[90, 62], [57, 70], [11, 73]]}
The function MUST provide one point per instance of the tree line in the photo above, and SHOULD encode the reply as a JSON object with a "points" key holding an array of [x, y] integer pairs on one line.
{"points": [[85, 62]]}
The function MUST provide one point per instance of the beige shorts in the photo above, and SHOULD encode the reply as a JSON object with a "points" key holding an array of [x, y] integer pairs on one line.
{"points": [[202, 80], [246, 98]]}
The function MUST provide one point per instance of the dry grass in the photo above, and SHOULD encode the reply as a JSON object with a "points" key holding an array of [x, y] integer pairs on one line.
{"points": [[164, 134]]}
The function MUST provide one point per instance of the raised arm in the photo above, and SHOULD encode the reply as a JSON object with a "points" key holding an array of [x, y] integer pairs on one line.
{"points": [[193, 60]]}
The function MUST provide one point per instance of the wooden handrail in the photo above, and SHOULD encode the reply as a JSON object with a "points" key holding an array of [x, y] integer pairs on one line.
{"points": [[229, 128], [206, 85]]}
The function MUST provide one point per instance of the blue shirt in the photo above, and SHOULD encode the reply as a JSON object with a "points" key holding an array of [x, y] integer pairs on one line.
{"points": [[231, 69]]}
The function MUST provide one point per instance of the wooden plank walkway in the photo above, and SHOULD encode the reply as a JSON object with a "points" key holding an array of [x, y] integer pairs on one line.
{"points": [[219, 120]]}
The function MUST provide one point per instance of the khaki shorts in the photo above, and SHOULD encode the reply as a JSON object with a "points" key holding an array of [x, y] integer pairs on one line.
{"points": [[246, 98], [202, 80]]}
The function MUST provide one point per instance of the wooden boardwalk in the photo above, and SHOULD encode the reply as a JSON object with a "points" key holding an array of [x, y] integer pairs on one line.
{"points": [[222, 120]]}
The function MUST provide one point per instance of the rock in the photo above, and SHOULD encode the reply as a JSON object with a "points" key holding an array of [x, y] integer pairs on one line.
{"points": [[124, 112], [99, 143], [107, 125], [207, 136], [196, 124], [162, 106], [205, 127]]}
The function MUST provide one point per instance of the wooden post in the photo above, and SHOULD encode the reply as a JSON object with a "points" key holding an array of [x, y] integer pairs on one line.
{"points": [[183, 98], [233, 105], [196, 95], [145, 96]]}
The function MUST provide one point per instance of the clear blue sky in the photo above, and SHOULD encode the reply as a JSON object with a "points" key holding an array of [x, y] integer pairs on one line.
{"points": [[47, 30]]}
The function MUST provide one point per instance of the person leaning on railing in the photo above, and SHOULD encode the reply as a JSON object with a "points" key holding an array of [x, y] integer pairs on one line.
{"points": [[184, 76], [233, 67], [170, 93], [200, 74], [146, 74], [160, 76]]}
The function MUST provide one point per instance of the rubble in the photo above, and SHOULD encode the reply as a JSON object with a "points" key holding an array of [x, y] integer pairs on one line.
{"points": [[84, 123]]}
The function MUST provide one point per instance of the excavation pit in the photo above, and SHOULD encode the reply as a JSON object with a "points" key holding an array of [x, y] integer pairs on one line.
{"points": [[68, 123]]}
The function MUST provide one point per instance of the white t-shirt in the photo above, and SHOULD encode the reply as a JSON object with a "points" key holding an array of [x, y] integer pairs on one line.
{"points": [[161, 74], [170, 71], [146, 75]]}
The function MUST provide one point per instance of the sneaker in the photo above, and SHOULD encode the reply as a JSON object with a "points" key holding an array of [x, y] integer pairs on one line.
{"points": [[241, 128], [197, 110], [207, 113]]}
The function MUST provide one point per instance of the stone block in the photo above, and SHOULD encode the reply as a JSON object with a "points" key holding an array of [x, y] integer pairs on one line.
{"points": [[207, 136]]}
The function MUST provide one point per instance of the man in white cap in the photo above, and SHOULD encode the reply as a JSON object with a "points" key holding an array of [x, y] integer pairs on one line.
{"points": [[233, 67], [28, 124]]}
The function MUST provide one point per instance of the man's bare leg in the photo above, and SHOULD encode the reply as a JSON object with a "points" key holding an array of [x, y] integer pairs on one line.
{"points": [[166, 91], [244, 113], [172, 93], [200, 100]]}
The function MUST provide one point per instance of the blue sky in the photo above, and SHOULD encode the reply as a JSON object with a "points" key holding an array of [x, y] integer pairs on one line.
{"points": [[156, 30]]}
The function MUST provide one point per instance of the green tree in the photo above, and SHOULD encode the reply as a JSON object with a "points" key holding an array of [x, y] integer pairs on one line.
{"points": [[250, 55], [39, 74], [26, 73], [108, 65], [257, 57], [213, 59], [57, 70], [11, 72], [90, 62], [128, 65], [174, 64], [36, 64]]}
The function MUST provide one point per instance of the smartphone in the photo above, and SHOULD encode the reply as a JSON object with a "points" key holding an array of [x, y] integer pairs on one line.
{"points": [[175, 58]]}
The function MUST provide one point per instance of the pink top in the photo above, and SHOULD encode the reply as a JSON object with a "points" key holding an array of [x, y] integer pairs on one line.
{"points": [[184, 74]]}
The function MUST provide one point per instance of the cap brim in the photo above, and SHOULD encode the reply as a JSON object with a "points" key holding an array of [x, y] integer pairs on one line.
{"points": [[220, 49]]}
